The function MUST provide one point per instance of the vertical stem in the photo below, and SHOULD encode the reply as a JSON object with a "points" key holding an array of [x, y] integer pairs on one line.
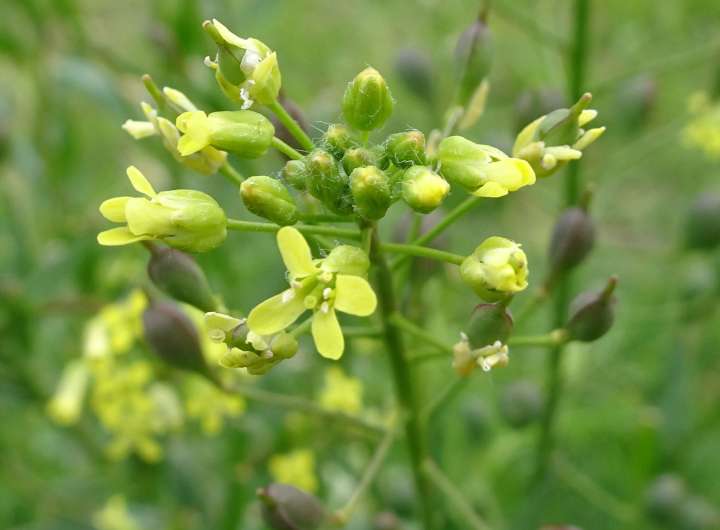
{"points": [[405, 390], [291, 125], [576, 80]]}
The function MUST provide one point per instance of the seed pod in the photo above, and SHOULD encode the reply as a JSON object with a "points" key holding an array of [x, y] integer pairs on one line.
{"points": [[178, 275], [473, 54], [337, 139], [295, 174], [367, 103], [572, 240], [521, 403], [358, 157], [636, 99], [285, 507], [173, 337], [592, 313], [489, 323], [327, 184], [415, 70], [665, 497], [477, 419], [423, 189], [406, 149], [269, 198], [702, 225], [371, 190]]}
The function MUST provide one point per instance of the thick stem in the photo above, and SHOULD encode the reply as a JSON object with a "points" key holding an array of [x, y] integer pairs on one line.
{"points": [[291, 125], [405, 390]]}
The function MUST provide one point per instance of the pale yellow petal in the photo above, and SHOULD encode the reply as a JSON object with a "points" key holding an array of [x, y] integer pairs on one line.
{"points": [[118, 236], [139, 182], [276, 313], [354, 295], [114, 209], [327, 334], [295, 252]]}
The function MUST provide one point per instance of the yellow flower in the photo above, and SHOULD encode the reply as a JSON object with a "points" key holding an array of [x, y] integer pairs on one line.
{"points": [[496, 269], [116, 327], [185, 219], [340, 392], [296, 468], [336, 282], [210, 405], [115, 516], [703, 130], [65, 406]]}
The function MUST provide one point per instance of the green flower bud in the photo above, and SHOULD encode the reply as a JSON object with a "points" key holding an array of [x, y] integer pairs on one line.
{"points": [[185, 219], [521, 403], [702, 224], [489, 323], [358, 157], [497, 269], [347, 259], [284, 346], [367, 103], [371, 192], [269, 198], [422, 189], [243, 132], [295, 174], [285, 507], [178, 275], [592, 313], [474, 53], [415, 70], [338, 139], [173, 337], [572, 240], [327, 184], [406, 149], [665, 497]]}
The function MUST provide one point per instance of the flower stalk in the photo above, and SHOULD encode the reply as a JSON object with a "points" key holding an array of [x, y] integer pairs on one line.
{"points": [[291, 125]]}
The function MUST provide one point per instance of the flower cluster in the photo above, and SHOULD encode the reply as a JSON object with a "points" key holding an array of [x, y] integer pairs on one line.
{"points": [[703, 130]]}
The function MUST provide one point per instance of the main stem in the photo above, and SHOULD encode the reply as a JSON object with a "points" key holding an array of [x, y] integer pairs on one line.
{"points": [[404, 388]]}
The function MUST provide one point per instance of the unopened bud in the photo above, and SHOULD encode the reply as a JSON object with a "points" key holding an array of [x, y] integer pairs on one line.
{"points": [[474, 53], [358, 157], [173, 337], [406, 149], [423, 189], [178, 275], [338, 139], [415, 70], [295, 174], [702, 225], [327, 184], [592, 313], [371, 190], [521, 403], [367, 103], [572, 240], [286, 507], [489, 323], [269, 198], [497, 269]]}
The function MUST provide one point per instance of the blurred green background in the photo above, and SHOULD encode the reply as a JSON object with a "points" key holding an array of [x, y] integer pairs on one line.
{"points": [[640, 403]]}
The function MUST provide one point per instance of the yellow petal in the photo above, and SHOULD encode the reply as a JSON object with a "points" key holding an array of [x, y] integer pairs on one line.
{"points": [[354, 295], [276, 313], [119, 236], [114, 209], [491, 190], [295, 252], [139, 182], [228, 36], [327, 334]]}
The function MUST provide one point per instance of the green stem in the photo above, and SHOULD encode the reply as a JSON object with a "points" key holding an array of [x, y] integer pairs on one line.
{"points": [[423, 252], [256, 226], [291, 125], [285, 149], [405, 391], [413, 329], [302, 328], [325, 218], [442, 398], [231, 174], [554, 338], [454, 497]]}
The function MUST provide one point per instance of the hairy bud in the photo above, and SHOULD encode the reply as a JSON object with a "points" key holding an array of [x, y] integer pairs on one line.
{"points": [[406, 149], [702, 225], [295, 174], [327, 184], [423, 189], [358, 157], [285, 507], [338, 139], [592, 314], [371, 190], [572, 240], [269, 198], [178, 275], [367, 103]]}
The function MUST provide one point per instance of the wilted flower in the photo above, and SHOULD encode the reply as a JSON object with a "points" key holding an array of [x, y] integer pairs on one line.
{"points": [[185, 219], [296, 468], [466, 358], [497, 269], [246, 133], [336, 282]]}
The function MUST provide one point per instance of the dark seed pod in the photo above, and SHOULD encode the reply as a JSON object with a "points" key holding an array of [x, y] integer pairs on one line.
{"points": [[702, 226], [285, 507], [572, 240], [521, 403], [474, 55], [416, 72], [489, 323], [477, 419], [592, 313], [178, 275], [173, 337]]}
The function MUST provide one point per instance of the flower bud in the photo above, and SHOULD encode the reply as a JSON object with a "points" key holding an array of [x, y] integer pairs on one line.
{"points": [[497, 269], [572, 240], [243, 132], [592, 313], [489, 323], [178, 275], [423, 189], [295, 174], [702, 224], [337, 139], [482, 169], [173, 337], [521, 403], [286, 507], [474, 57], [406, 149], [269, 198], [358, 157], [327, 184], [415, 70], [371, 191], [367, 103]]}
